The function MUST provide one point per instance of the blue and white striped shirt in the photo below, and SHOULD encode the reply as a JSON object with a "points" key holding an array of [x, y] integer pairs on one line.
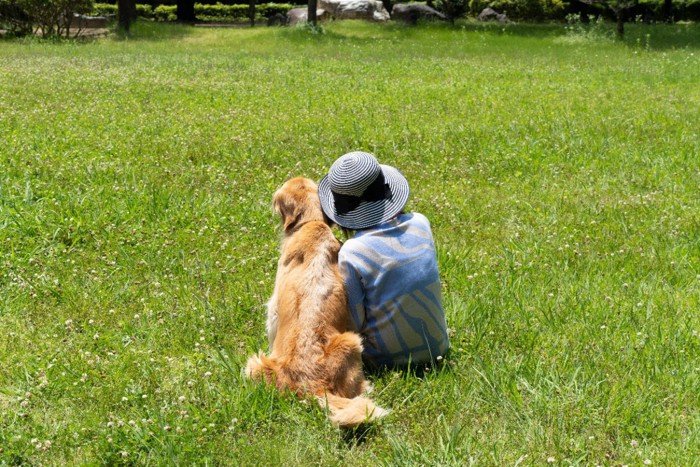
{"points": [[394, 295]]}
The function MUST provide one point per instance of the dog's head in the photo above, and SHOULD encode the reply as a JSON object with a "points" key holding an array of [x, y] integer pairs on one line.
{"points": [[297, 203]]}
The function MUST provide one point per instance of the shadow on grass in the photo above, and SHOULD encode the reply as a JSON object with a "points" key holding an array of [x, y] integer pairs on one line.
{"points": [[360, 434], [152, 31], [650, 36], [663, 36]]}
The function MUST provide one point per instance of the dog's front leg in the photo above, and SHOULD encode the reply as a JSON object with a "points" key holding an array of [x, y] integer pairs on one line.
{"points": [[273, 305], [271, 324]]}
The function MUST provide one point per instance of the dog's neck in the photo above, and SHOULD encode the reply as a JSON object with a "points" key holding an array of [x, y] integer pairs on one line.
{"points": [[300, 222]]}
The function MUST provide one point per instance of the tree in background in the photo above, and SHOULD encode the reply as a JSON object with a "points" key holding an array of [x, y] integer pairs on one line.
{"points": [[311, 13], [667, 10], [622, 10], [185, 11], [124, 14]]}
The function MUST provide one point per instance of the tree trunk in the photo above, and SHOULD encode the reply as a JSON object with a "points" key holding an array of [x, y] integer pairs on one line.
{"points": [[667, 11], [124, 14], [620, 23], [388, 5], [311, 14], [132, 10], [185, 11], [251, 12]]}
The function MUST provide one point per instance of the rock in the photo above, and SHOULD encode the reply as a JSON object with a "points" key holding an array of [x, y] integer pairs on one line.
{"points": [[410, 13], [371, 10], [278, 19], [489, 14], [300, 15], [90, 22]]}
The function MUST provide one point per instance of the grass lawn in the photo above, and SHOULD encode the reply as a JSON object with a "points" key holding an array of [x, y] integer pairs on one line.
{"points": [[560, 171]]}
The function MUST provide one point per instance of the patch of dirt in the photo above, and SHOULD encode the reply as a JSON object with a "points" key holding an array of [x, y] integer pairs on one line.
{"points": [[89, 32]]}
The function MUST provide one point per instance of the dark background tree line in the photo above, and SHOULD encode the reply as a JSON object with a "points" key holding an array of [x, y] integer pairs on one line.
{"points": [[52, 17]]}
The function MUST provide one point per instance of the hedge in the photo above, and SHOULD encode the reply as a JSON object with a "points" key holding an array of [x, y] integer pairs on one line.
{"points": [[688, 10], [217, 12]]}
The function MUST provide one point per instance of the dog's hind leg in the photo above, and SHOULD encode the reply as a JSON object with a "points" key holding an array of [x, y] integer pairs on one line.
{"points": [[343, 363], [346, 343]]}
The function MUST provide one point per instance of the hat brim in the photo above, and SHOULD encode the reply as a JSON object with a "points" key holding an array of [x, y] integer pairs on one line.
{"points": [[368, 213]]}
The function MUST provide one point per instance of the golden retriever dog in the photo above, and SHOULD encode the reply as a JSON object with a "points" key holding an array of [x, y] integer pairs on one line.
{"points": [[312, 351]]}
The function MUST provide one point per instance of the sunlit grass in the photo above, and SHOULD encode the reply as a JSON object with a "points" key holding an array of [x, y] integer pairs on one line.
{"points": [[137, 245]]}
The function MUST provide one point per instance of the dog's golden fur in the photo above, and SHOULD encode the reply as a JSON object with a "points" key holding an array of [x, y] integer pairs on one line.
{"points": [[312, 351]]}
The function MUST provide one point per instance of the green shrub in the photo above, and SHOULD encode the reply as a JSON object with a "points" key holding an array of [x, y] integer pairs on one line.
{"points": [[270, 9], [14, 18], [203, 12], [104, 9], [46, 17], [220, 11], [144, 11], [521, 9], [165, 13], [453, 9]]}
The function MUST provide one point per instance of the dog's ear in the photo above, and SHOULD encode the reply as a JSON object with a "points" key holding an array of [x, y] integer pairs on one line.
{"points": [[288, 209]]}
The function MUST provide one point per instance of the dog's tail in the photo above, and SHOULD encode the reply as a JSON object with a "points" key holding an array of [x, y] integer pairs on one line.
{"points": [[349, 413]]}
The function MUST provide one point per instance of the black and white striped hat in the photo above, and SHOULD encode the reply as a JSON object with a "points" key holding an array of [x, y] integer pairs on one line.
{"points": [[358, 192]]}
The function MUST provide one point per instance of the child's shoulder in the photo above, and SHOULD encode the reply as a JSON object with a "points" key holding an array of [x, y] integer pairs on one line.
{"points": [[416, 218]]}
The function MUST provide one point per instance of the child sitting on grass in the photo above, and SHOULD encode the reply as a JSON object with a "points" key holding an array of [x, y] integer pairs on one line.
{"points": [[389, 265]]}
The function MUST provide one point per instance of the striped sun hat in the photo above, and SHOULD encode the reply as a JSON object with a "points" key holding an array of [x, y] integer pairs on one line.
{"points": [[358, 192]]}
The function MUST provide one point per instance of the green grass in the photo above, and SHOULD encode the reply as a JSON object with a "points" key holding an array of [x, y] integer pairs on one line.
{"points": [[137, 244]]}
